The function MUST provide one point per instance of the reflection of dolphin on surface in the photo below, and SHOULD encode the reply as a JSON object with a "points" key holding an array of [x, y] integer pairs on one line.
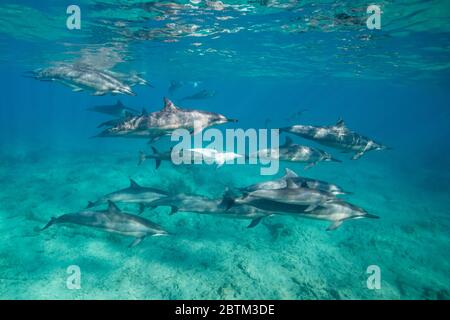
{"points": [[112, 220], [337, 136], [81, 77]]}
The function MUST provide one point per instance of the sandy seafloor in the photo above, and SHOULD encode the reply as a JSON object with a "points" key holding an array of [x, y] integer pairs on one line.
{"points": [[216, 258]]}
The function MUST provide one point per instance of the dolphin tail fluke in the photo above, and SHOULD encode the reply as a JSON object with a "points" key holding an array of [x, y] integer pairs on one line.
{"points": [[142, 158], [335, 160], [90, 205], [157, 161], [371, 216], [51, 222], [357, 156], [254, 222]]}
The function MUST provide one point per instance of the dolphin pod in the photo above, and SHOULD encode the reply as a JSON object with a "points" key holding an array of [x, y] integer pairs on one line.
{"points": [[290, 195]]}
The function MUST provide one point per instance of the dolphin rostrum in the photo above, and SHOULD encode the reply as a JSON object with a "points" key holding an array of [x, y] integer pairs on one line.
{"points": [[337, 136], [112, 220]]}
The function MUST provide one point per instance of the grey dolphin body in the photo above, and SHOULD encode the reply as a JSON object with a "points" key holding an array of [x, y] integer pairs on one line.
{"points": [[204, 205], [133, 194], [338, 211], [82, 77], [204, 94], [337, 136], [116, 110], [298, 181], [112, 220], [292, 152], [165, 121], [291, 197]]}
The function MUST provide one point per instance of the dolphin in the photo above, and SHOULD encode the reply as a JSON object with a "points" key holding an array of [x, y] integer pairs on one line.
{"points": [[214, 156], [112, 220], [117, 110], [292, 152], [337, 136], [133, 194], [293, 196], [162, 123], [81, 77], [174, 86], [338, 211], [203, 205], [204, 94], [298, 181]]}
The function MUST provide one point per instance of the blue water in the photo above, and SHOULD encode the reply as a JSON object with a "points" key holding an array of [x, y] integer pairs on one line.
{"points": [[393, 87]]}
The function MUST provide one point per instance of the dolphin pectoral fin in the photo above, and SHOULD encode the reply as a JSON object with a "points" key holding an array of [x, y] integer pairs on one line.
{"points": [[136, 242], [173, 210], [157, 163], [141, 208], [309, 166], [99, 93], [90, 204], [219, 165], [334, 225], [77, 89], [142, 158], [311, 208], [254, 222], [358, 155], [196, 130], [52, 221]]}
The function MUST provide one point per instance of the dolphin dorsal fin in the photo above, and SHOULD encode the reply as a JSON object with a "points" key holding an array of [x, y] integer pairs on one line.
{"points": [[133, 184], [340, 123], [112, 208], [289, 174], [169, 105], [144, 112], [290, 184], [119, 103], [288, 142]]}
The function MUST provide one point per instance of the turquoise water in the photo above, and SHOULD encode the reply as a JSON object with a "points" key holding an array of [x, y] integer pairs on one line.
{"points": [[266, 60]]}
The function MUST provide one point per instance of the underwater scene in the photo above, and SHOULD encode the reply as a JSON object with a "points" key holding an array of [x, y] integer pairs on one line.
{"points": [[119, 178]]}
